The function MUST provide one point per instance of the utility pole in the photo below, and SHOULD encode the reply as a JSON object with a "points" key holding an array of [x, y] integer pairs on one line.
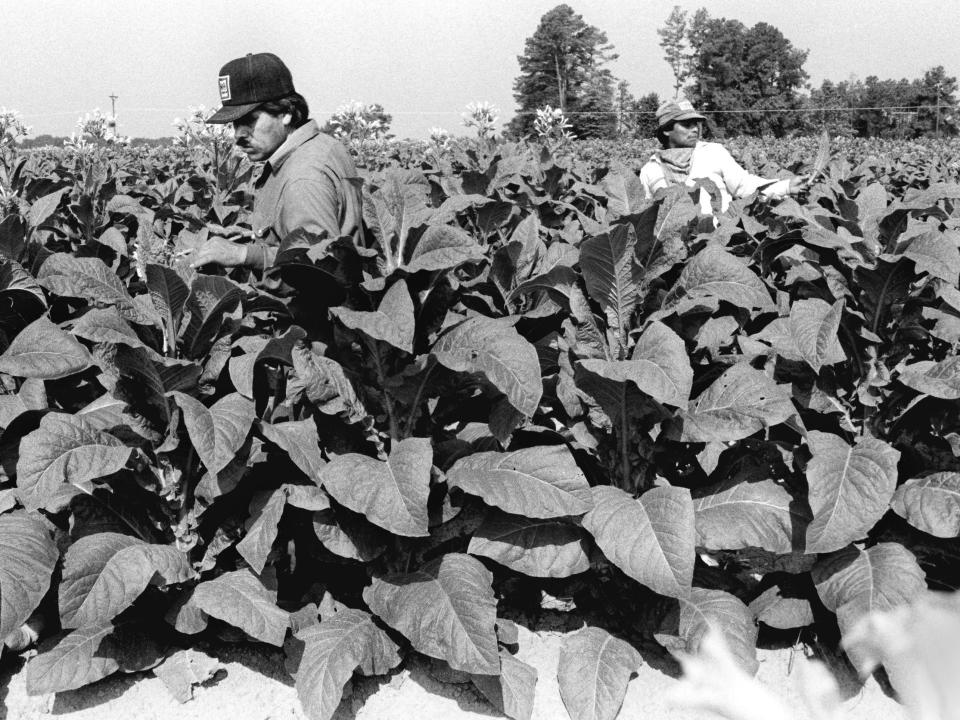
{"points": [[938, 110], [113, 104]]}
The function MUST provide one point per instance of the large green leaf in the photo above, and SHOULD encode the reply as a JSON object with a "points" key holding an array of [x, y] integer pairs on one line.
{"points": [[443, 247], [325, 384], [931, 503], [266, 509], [27, 558], [78, 659], [393, 321], [512, 692], [612, 275], [168, 293], [65, 449], [349, 535], [937, 254], [659, 366], [497, 351], [42, 350], [239, 598], [850, 488], [939, 380], [593, 673], [105, 572], [539, 548], [809, 334], [684, 627], [106, 326], [90, 279], [739, 403], [446, 609], [651, 539], [333, 649], [854, 582], [536, 482], [216, 432], [390, 494], [211, 298], [714, 272], [750, 511], [299, 438]]}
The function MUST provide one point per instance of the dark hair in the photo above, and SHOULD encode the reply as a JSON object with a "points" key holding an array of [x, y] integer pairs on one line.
{"points": [[664, 129], [294, 103]]}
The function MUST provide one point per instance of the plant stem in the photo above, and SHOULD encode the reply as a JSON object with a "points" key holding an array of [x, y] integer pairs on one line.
{"points": [[382, 379], [415, 406]]}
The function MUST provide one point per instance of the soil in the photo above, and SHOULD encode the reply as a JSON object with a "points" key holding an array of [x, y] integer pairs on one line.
{"points": [[253, 685]]}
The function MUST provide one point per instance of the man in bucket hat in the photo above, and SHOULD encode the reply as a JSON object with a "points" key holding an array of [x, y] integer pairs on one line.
{"points": [[308, 180], [684, 158]]}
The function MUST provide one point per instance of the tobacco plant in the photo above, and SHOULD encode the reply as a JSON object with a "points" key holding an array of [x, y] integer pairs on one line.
{"points": [[524, 380]]}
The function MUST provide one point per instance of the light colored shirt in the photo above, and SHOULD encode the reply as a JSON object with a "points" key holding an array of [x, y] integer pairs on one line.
{"points": [[309, 182], [712, 161]]}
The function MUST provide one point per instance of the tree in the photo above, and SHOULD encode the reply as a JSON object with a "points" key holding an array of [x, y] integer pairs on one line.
{"points": [[752, 75], [673, 41], [935, 98], [562, 66]]}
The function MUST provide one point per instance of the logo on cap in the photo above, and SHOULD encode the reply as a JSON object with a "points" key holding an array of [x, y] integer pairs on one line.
{"points": [[224, 88]]}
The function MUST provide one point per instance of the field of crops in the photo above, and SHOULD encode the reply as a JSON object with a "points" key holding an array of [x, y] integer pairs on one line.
{"points": [[527, 387]]}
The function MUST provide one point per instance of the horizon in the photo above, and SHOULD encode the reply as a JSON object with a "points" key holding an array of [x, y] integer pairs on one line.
{"points": [[158, 62]]}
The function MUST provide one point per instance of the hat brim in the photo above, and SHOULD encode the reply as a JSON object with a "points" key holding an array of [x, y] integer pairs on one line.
{"points": [[688, 115], [231, 113]]}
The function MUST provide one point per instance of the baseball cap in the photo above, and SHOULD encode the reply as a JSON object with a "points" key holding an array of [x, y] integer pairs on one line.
{"points": [[250, 81], [673, 110]]}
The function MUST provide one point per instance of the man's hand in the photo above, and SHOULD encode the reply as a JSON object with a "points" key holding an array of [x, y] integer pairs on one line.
{"points": [[219, 251]]}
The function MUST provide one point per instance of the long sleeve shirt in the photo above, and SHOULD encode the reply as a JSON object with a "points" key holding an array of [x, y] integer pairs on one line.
{"points": [[712, 161], [309, 182]]}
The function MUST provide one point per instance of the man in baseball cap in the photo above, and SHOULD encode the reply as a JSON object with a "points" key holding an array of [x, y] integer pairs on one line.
{"points": [[308, 181], [685, 158]]}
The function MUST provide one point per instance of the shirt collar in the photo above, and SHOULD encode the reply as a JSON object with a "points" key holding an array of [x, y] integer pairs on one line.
{"points": [[294, 140]]}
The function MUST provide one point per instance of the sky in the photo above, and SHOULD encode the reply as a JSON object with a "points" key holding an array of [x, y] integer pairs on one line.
{"points": [[423, 60]]}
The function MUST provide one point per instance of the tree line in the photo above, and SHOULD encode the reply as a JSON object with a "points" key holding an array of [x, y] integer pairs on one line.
{"points": [[747, 80]]}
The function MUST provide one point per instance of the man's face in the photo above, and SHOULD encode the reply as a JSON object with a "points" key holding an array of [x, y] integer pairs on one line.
{"points": [[259, 134], [684, 133]]}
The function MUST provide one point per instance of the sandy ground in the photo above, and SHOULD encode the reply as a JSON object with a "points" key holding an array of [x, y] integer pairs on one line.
{"points": [[255, 686]]}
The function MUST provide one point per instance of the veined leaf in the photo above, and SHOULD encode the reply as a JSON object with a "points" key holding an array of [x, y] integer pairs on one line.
{"points": [[211, 297], [537, 482], [325, 384], [106, 326], [880, 288], [393, 322], [611, 275], [714, 272], [332, 650], [849, 488], [499, 353], [299, 438], [216, 432], [685, 626], [930, 504], [512, 692], [91, 280], [809, 334], [739, 403], [593, 673], [105, 572], [76, 660], [64, 449], [939, 380], [27, 558], [349, 536], [659, 366], [746, 511], [937, 254], [854, 582], [168, 293], [624, 192], [446, 609], [42, 350], [239, 598], [43, 208], [539, 548], [651, 539], [442, 247], [266, 509], [390, 494]]}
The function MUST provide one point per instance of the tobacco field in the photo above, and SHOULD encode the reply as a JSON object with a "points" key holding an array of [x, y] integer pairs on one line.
{"points": [[527, 387]]}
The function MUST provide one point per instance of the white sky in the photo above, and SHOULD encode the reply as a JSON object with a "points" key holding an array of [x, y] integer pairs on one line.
{"points": [[423, 60]]}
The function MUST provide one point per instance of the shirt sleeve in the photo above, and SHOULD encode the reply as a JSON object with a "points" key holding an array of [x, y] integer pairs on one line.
{"points": [[740, 183], [310, 204], [651, 178]]}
